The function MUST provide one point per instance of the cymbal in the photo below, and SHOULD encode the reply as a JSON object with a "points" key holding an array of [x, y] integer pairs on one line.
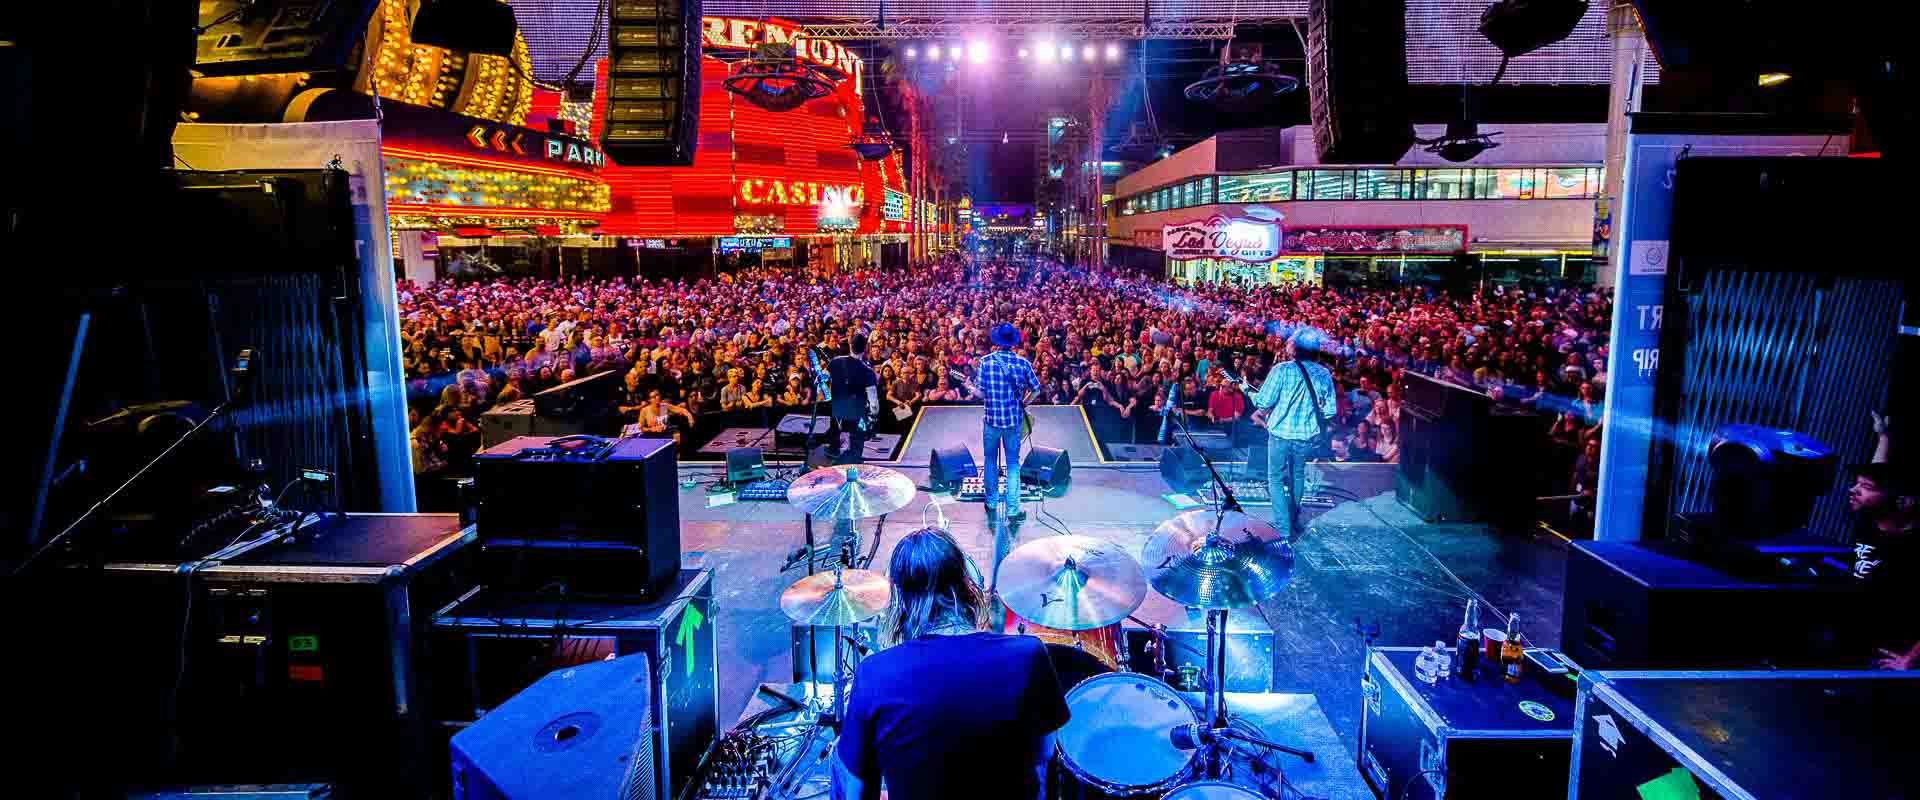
{"points": [[1071, 583], [855, 491], [837, 598], [1250, 563]]}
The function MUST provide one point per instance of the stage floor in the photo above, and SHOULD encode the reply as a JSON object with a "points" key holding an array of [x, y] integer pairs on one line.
{"points": [[1367, 561], [1060, 427]]}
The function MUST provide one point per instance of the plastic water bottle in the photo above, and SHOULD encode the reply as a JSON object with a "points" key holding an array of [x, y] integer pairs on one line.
{"points": [[1426, 666], [1443, 656]]}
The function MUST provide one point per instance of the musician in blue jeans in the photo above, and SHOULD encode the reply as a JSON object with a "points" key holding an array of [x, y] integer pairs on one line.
{"points": [[1006, 381], [1293, 404]]}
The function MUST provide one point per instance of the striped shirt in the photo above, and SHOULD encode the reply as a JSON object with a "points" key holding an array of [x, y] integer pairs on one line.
{"points": [[1004, 381], [1289, 407]]}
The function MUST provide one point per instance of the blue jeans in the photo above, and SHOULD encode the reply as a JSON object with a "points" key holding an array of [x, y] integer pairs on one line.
{"points": [[997, 441], [1286, 480]]}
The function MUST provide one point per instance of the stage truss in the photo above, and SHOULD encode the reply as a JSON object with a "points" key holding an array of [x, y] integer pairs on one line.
{"points": [[1032, 26]]}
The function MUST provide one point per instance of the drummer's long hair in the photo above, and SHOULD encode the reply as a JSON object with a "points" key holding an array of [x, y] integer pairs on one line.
{"points": [[932, 587]]}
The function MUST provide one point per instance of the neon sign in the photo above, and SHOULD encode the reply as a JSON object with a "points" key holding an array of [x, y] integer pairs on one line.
{"points": [[730, 33], [895, 207], [1222, 237], [757, 192]]}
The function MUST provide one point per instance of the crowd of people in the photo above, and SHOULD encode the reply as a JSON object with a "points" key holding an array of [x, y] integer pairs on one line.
{"points": [[739, 343]]}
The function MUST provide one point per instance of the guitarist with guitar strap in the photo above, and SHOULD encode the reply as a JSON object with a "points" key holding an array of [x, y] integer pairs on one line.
{"points": [[1293, 404], [853, 386]]}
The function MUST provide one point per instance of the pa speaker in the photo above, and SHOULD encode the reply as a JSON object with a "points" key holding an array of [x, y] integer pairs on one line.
{"points": [[584, 731], [1357, 80], [653, 83], [1182, 469], [745, 464], [948, 465], [1047, 468]]}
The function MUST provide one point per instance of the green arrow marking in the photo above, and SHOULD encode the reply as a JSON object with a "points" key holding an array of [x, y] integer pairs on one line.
{"points": [[689, 623]]}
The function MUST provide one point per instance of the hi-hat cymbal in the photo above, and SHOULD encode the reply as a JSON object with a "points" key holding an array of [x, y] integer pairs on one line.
{"points": [[1071, 583], [850, 492], [846, 597], [1250, 563]]}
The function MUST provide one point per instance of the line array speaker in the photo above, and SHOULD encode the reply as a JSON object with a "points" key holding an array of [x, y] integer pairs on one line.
{"points": [[1357, 80], [653, 82]]}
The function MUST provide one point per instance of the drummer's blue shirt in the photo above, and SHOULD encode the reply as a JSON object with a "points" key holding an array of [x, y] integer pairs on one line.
{"points": [[953, 717]]}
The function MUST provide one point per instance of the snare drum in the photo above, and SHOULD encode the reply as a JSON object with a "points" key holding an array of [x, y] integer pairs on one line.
{"points": [[1213, 790], [1116, 739], [1105, 644]]}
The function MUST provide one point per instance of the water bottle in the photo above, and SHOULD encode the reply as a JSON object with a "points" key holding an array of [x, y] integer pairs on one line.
{"points": [[1426, 666], [1443, 656]]}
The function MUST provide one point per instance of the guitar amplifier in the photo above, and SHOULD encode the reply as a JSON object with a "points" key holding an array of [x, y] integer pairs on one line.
{"points": [[597, 518]]}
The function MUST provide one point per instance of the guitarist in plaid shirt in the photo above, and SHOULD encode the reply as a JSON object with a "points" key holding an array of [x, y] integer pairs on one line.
{"points": [[1006, 381]]}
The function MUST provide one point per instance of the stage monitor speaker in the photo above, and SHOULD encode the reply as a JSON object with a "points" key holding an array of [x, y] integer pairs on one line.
{"points": [[1047, 468], [745, 464], [1357, 80], [1182, 469], [266, 37], [1425, 480], [653, 83], [582, 731], [949, 464]]}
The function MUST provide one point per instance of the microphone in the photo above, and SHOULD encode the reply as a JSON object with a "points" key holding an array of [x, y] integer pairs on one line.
{"points": [[1189, 736]]}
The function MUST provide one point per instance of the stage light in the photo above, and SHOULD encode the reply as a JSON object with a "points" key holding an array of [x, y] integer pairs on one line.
{"points": [[933, 53], [1113, 52], [1086, 52], [1022, 53], [1045, 50], [913, 53], [1770, 79], [1066, 52], [953, 52], [977, 52]]}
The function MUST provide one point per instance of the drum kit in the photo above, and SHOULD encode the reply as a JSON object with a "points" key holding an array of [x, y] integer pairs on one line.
{"points": [[1130, 734]]}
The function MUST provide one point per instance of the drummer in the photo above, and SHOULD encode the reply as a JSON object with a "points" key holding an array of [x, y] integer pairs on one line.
{"points": [[950, 711]]}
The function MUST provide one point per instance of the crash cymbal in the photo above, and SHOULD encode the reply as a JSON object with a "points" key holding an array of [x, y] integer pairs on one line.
{"points": [[850, 492], [1071, 583], [1250, 563], [846, 597]]}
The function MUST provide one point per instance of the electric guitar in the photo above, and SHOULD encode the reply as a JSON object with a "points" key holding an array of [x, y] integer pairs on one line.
{"points": [[1026, 416]]}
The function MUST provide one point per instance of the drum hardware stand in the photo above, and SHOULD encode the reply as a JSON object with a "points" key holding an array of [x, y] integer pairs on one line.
{"points": [[1214, 738]]}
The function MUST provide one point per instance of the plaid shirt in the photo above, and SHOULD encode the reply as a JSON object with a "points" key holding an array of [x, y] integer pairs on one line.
{"points": [[1284, 396], [1003, 382]]}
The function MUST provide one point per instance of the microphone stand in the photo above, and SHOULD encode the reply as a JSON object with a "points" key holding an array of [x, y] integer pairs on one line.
{"points": [[241, 373]]}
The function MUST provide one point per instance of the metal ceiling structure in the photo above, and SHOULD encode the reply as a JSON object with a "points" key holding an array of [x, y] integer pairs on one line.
{"points": [[1443, 42], [1027, 28]]}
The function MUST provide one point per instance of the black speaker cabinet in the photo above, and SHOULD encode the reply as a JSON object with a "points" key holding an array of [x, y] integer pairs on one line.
{"points": [[949, 464], [598, 523], [1357, 80], [1048, 468], [1425, 480], [745, 464], [490, 647], [1632, 605], [581, 731], [653, 83], [1182, 469]]}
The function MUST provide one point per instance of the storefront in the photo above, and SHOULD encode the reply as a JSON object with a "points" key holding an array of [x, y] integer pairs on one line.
{"points": [[467, 196], [1421, 222], [759, 173]]}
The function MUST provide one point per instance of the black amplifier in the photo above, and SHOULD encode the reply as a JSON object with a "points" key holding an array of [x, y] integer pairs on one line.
{"points": [[1461, 738], [491, 645], [290, 662], [1747, 735], [593, 516]]}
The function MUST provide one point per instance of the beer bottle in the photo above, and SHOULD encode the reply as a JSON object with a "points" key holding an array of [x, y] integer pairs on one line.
{"points": [[1512, 654], [1466, 646]]}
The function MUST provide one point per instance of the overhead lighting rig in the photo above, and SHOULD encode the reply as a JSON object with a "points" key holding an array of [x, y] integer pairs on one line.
{"points": [[1463, 141], [1243, 81]]}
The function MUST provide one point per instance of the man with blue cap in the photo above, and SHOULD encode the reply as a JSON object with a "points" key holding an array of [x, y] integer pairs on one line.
{"points": [[1006, 381]]}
